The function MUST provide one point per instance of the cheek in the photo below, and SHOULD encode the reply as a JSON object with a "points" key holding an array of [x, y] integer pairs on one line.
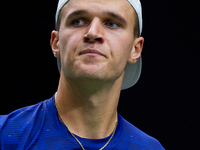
{"points": [[122, 48], [68, 48], [69, 42]]}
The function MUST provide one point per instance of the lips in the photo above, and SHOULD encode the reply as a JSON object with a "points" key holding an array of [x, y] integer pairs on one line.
{"points": [[91, 52]]}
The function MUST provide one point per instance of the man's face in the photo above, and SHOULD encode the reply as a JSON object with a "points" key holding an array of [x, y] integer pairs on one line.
{"points": [[96, 38]]}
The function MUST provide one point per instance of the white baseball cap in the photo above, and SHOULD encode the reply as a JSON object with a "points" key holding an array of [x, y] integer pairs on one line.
{"points": [[133, 71]]}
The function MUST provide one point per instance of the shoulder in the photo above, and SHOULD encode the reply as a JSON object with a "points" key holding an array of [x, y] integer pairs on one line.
{"points": [[16, 127], [20, 115], [136, 136]]}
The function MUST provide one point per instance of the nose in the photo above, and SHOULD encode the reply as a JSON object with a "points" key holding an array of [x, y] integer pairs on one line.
{"points": [[95, 32]]}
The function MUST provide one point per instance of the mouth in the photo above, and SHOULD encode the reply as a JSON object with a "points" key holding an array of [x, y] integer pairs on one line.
{"points": [[92, 52]]}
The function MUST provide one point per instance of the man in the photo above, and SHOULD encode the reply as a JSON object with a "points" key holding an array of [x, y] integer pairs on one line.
{"points": [[98, 47]]}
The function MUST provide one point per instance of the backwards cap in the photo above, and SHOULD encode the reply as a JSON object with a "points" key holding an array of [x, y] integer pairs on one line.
{"points": [[133, 71]]}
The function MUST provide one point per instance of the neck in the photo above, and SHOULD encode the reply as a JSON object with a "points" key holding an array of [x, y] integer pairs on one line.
{"points": [[88, 112]]}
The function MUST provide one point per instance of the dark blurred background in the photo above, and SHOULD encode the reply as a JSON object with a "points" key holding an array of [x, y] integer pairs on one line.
{"points": [[164, 103]]}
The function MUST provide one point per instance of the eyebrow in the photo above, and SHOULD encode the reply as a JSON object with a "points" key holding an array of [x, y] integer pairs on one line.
{"points": [[108, 13], [76, 13], [116, 16]]}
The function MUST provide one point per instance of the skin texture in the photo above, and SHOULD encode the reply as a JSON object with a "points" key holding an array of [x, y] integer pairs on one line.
{"points": [[95, 42]]}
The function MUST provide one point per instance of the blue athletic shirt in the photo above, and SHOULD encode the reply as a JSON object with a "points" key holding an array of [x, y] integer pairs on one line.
{"points": [[38, 127]]}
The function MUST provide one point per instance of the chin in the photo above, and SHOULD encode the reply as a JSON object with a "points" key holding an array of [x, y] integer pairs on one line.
{"points": [[93, 75], [98, 72]]}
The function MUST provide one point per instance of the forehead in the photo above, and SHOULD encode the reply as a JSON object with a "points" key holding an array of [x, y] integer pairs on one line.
{"points": [[121, 7]]}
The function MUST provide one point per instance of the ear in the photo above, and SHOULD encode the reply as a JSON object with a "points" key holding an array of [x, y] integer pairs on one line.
{"points": [[136, 50], [54, 42]]}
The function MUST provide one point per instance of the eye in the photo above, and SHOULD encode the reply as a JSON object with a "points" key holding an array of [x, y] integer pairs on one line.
{"points": [[78, 22], [112, 24]]}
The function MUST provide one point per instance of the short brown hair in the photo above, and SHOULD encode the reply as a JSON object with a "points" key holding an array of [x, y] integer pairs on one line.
{"points": [[136, 27]]}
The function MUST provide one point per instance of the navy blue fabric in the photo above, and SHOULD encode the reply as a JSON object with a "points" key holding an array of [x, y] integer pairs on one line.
{"points": [[37, 127]]}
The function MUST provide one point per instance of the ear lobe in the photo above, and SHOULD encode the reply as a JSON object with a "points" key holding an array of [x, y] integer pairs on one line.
{"points": [[136, 50], [54, 43]]}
